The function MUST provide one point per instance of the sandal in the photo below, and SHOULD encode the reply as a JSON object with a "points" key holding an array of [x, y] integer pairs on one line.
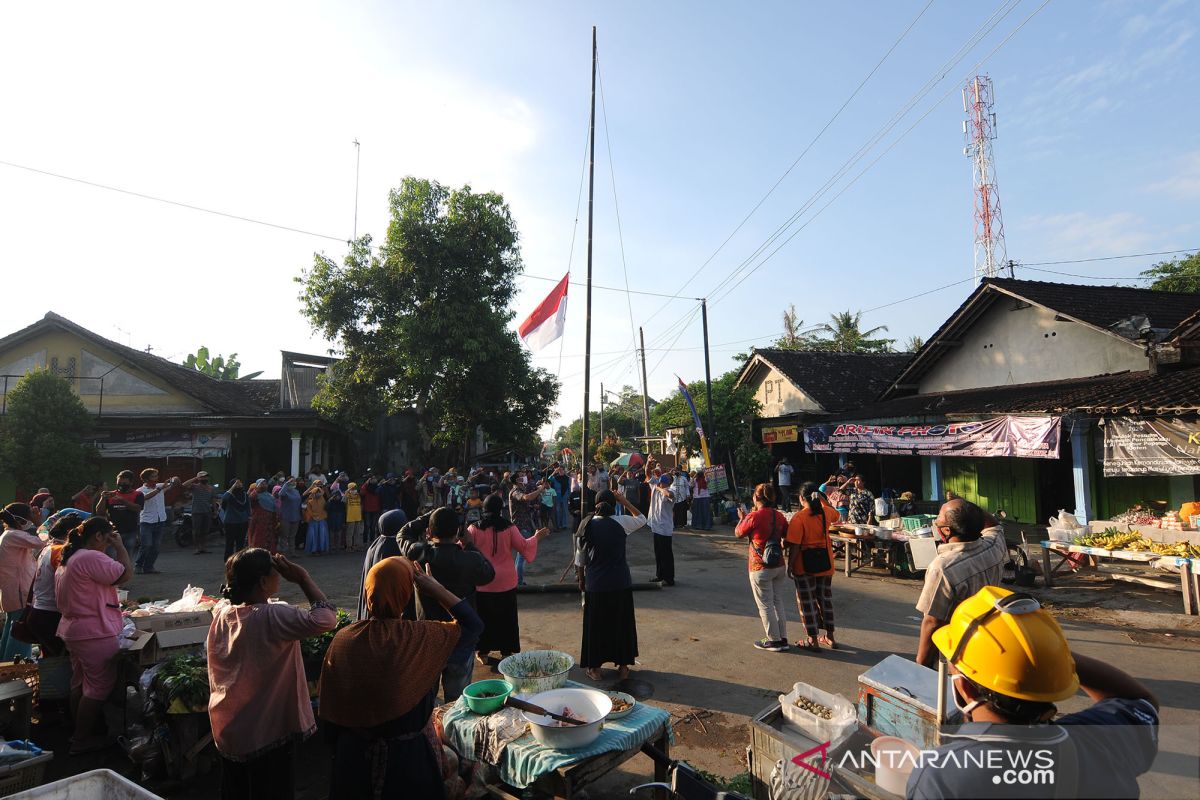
{"points": [[811, 644], [828, 641], [594, 674]]}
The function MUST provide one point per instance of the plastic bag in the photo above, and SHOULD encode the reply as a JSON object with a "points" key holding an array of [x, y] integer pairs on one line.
{"points": [[188, 602]]}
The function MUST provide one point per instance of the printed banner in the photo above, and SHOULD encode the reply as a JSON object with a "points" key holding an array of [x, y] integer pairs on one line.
{"points": [[1151, 447], [1019, 437], [718, 481], [784, 433], [162, 444]]}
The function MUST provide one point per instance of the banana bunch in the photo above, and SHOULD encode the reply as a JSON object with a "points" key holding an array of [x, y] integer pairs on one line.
{"points": [[1110, 539], [1181, 549]]}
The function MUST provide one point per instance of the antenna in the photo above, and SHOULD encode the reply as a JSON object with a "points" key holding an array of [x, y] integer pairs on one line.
{"points": [[357, 158], [979, 128]]}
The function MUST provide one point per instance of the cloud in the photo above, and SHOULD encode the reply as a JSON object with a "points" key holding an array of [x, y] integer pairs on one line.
{"points": [[1184, 184], [1078, 234]]}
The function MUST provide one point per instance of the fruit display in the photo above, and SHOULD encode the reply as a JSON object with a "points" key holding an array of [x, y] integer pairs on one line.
{"points": [[1138, 515], [1109, 539]]}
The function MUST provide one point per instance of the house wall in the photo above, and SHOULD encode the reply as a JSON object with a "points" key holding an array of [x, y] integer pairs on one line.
{"points": [[1013, 346], [779, 396], [126, 390]]}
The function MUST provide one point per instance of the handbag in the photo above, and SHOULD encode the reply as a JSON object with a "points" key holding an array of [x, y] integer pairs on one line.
{"points": [[815, 560], [21, 630], [772, 552]]}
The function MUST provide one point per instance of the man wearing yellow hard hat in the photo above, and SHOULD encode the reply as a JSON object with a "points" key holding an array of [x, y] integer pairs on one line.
{"points": [[1010, 663]]}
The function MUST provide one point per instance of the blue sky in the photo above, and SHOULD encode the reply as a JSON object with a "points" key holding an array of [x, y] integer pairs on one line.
{"points": [[251, 109]]}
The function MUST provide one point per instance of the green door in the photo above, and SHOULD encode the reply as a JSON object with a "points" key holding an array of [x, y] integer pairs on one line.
{"points": [[995, 483]]}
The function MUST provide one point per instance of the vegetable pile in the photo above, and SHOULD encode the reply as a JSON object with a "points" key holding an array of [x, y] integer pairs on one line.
{"points": [[182, 684]]}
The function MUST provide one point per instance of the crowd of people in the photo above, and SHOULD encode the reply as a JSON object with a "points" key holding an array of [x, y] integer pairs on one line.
{"points": [[444, 557]]}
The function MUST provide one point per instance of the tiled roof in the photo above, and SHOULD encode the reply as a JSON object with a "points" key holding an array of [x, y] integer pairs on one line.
{"points": [[1167, 393], [1098, 306], [238, 398], [837, 381], [1104, 306]]}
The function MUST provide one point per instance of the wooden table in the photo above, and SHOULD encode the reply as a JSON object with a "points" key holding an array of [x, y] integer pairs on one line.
{"points": [[565, 781], [1189, 575]]}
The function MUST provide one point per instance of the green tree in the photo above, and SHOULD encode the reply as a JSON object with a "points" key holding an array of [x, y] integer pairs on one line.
{"points": [[1176, 275], [794, 336], [42, 437], [220, 367], [843, 334], [423, 323], [912, 344]]}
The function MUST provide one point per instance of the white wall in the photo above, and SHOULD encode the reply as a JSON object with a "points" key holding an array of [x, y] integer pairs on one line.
{"points": [[779, 396], [1007, 346]]}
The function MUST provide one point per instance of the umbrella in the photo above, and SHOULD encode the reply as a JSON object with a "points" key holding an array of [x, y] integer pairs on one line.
{"points": [[628, 460]]}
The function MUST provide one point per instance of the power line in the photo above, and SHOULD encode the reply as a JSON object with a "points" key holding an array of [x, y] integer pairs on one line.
{"points": [[608, 288], [1108, 258], [176, 203], [803, 153]]}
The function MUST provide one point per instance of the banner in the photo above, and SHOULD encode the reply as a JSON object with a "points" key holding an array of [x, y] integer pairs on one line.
{"points": [[162, 444], [718, 481], [1151, 447], [1019, 437], [783, 433]]}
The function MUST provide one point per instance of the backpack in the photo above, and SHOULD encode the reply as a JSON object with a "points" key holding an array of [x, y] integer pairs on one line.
{"points": [[772, 551]]}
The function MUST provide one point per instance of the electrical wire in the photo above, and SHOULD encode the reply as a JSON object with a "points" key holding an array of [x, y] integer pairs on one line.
{"points": [[803, 153], [1109, 258], [616, 207], [177, 203]]}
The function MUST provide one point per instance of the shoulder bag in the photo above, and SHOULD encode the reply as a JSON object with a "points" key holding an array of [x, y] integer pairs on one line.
{"points": [[815, 560]]}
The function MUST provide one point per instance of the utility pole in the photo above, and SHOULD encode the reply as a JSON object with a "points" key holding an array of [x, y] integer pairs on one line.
{"points": [[357, 158], [707, 374], [645, 396], [587, 336]]}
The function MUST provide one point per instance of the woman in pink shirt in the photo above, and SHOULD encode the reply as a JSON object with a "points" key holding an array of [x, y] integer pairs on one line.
{"points": [[19, 548], [259, 705], [497, 538], [85, 587]]}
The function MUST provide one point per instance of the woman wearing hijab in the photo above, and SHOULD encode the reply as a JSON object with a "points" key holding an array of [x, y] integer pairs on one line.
{"points": [[264, 519], [235, 517], [259, 705], [19, 548], [43, 616], [379, 682], [497, 538], [609, 626]]}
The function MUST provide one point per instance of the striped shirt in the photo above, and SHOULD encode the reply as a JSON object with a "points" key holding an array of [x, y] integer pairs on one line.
{"points": [[961, 569]]}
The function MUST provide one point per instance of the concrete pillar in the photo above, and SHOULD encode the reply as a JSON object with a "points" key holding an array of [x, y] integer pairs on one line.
{"points": [[1082, 467], [933, 476], [295, 463]]}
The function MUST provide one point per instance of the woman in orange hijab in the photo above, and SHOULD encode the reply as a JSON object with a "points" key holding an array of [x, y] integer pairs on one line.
{"points": [[379, 682]]}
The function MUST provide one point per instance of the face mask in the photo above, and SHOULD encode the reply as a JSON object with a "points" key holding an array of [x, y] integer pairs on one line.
{"points": [[122, 487], [958, 703], [28, 526]]}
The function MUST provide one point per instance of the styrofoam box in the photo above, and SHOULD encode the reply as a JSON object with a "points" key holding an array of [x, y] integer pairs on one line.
{"points": [[99, 784], [822, 730]]}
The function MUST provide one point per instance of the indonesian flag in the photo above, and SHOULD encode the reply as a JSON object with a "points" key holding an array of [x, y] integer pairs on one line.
{"points": [[547, 321]]}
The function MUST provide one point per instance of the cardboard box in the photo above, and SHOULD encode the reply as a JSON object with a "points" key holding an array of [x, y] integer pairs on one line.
{"points": [[162, 635]]}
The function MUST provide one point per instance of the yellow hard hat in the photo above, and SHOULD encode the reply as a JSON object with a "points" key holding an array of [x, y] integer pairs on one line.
{"points": [[1009, 644]]}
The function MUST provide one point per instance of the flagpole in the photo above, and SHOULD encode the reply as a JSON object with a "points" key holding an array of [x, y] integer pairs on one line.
{"points": [[587, 336]]}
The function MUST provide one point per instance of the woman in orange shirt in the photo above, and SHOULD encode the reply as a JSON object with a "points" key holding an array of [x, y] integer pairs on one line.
{"points": [[811, 565]]}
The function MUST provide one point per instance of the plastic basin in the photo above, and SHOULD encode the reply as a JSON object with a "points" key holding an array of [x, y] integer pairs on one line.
{"points": [[498, 689], [536, 671], [590, 705]]}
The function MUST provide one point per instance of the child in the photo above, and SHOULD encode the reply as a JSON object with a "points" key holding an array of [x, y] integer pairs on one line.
{"points": [[549, 495], [474, 508]]}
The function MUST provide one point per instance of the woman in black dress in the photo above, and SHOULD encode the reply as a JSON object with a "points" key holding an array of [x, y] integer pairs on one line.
{"points": [[609, 627]]}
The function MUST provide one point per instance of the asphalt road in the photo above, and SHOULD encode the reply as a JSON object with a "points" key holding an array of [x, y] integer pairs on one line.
{"points": [[696, 654]]}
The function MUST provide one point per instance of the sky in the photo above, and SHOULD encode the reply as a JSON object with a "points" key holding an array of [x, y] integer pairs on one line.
{"points": [[251, 109]]}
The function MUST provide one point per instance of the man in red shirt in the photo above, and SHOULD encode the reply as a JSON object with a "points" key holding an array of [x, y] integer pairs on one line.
{"points": [[123, 508], [370, 506]]}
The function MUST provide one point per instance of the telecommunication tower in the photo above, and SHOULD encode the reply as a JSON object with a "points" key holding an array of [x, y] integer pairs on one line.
{"points": [[979, 128]]}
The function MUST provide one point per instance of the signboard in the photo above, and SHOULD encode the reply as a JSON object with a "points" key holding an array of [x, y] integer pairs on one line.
{"points": [[718, 481], [162, 444], [782, 433], [1019, 437], [1151, 447]]}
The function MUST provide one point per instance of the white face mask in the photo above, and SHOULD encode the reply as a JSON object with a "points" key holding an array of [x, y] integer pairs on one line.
{"points": [[965, 709]]}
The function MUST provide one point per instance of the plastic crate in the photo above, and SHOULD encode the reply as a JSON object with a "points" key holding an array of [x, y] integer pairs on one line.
{"points": [[917, 521], [99, 784], [24, 671], [24, 774]]}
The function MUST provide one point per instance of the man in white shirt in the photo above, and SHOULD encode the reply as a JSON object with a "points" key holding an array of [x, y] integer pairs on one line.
{"points": [[784, 471], [662, 522], [152, 520]]}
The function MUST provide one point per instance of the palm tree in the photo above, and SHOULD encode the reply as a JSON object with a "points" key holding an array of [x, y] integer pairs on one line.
{"points": [[845, 336], [913, 343]]}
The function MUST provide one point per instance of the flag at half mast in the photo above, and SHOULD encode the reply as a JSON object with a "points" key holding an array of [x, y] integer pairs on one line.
{"points": [[547, 321]]}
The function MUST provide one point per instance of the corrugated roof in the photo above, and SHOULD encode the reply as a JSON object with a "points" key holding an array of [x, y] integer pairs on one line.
{"points": [[1143, 393], [837, 381]]}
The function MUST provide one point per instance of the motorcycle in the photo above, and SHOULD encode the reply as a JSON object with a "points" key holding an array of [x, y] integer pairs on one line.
{"points": [[181, 528]]}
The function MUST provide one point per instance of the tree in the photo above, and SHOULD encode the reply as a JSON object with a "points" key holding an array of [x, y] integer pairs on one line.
{"points": [[845, 336], [794, 336], [220, 367], [1176, 275], [42, 437], [913, 343], [423, 323]]}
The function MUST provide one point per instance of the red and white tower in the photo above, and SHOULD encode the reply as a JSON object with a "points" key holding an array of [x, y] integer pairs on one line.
{"points": [[980, 129]]}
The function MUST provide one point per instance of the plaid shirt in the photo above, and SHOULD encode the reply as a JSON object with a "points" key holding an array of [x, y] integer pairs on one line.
{"points": [[961, 569]]}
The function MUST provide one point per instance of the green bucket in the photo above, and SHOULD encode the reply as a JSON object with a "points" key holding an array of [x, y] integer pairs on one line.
{"points": [[497, 689]]}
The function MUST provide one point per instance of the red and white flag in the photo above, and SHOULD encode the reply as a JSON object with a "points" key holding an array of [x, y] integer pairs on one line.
{"points": [[547, 321]]}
